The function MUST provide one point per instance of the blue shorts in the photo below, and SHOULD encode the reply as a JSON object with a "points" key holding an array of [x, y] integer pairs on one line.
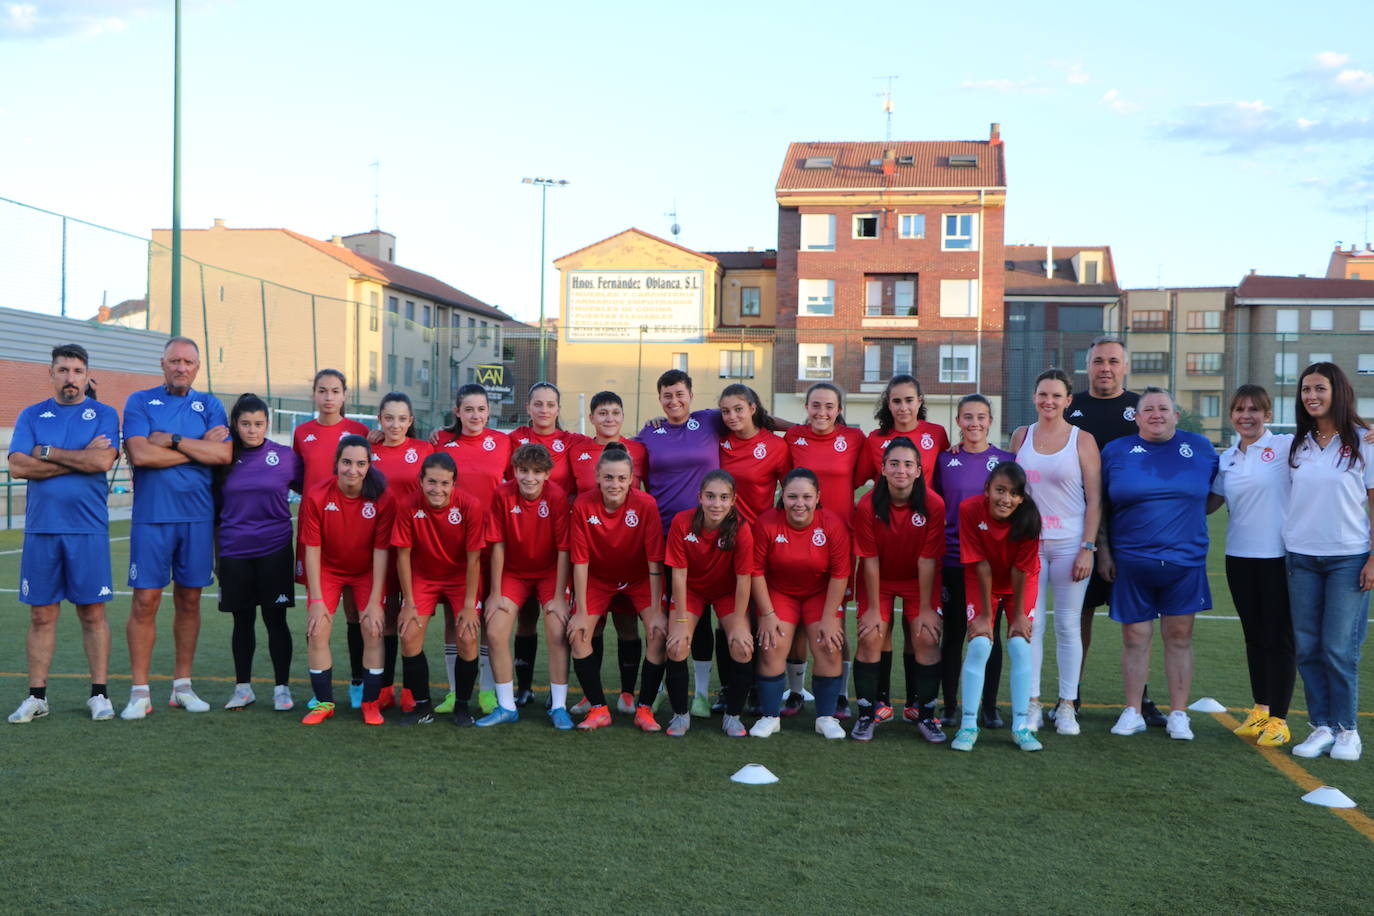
{"points": [[71, 567], [160, 552], [1146, 589]]}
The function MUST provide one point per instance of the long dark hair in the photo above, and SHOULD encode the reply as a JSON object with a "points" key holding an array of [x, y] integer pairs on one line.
{"points": [[247, 403], [615, 451], [558, 395], [882, 497], [1056, 375], [805, 474], [465, 392], [1348, 422], [762, 419], [374, 484], [399, 397], [839, 396], [883, 413], [323, 373], [729, 526], [1025, 521]]}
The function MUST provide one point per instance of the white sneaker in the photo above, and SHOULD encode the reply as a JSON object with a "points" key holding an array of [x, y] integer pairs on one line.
{"points": [[1065, 720], [140, 707], [1035, 716], [768, 725], [1178, 727], [1317, 743], [1131, 722], [186, 698], [100, 708], [1347, 746], [829, 727], [281, 698], [32, 708], [243, 696]]}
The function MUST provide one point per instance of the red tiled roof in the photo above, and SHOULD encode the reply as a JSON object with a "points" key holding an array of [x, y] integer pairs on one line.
{"points": [[1025, 272], [745, 260], [931, 168], [1258, 286], [647, 235]]}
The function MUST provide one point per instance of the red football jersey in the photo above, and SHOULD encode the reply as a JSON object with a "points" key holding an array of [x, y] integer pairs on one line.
{"points": [[982, 537], [930, 439], [439, 539], [558, 443], [316, 445], [907, 537], [617, 546], [801, 563], [710, 571], [345, 529], [533, 531], [400, 465], [584, 452], [835, 458], [483, 461], [758, 466]]}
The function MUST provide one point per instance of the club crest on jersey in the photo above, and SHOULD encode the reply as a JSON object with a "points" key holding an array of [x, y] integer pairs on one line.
{"points": [[1267, 455], [761, 451], [927, 441], [691, 538], [488, 444], [692, 423], [198, 406], [369, 510], [1128, 414], [918, 520], [818, 537], [455, 517], [412, 456], [559, 445], [543, 508], [1137, 450], [1185, 450], [272, 459], [992, 463], [1345, 451], [841, 444], [631, 519], [88, 413]]}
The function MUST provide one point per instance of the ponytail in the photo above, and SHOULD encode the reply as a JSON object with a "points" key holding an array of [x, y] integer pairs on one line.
{"points": [[729, 526]]}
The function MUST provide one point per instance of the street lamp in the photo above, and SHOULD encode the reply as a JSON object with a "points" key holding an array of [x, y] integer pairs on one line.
{"points": [[544, 185]]}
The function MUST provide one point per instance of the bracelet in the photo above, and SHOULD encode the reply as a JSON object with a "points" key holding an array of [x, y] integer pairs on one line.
{"points": [[681, 619], [769, 614]]}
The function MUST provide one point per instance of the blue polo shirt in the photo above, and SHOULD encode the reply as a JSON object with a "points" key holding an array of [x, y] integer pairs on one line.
{"points": [[1158, 496], [180, 493], [70, 503]]}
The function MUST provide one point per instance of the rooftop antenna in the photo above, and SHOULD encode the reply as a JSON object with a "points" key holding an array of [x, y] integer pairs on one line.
{"points": [[886, 96], [675, 229], [376, 193]]}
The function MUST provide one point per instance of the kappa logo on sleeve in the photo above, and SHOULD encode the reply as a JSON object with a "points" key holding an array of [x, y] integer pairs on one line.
{"points": [[1076, 413], [691, 538], [46, 415], [955, 463], [593, 520], [1137, 450], [982, 526], [310, 437], [154, 403]]}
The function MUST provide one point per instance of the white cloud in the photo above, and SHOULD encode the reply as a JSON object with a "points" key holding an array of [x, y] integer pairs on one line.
{"points": [[38, 19], [1248, 125], [1331, 59], [1113, 99], [1356, 81], [1077, 76]]}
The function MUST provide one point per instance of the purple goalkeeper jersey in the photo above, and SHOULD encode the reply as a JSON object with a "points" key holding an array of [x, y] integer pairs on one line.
{"points": [[959, 475], [254, 516], [679, 457]]}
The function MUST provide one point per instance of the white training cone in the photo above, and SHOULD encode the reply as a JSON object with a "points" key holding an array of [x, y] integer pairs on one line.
{"points": [[754, 774], [1207, 704], [1328, 797]]}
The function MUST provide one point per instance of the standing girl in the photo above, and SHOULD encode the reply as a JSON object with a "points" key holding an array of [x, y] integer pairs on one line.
{"points": [[901, 411]]}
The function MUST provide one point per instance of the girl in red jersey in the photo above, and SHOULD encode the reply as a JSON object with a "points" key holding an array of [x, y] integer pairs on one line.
{"points": [[397, 455], [485, 456], [754, 455], [711, 552], [833, 451], [802, 565], [901, 411], [316, 442], [617, 548], [606, 412], [899, 535], [439, 535], [527, 529], [346, 529], [999, 543]]}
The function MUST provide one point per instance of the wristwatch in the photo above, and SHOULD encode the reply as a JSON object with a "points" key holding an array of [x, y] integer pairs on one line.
{"points": [[44, 452], [1088, 545], [176, 442]]}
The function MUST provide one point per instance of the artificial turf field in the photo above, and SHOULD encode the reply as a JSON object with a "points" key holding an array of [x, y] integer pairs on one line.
{"points": [[251, 812]]}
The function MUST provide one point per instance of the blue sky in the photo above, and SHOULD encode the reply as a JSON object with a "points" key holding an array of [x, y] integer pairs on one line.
{"points": [[1198, 140]]}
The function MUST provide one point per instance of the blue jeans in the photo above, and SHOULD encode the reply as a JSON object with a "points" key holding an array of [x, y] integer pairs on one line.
{"points": [[1330, 617]]}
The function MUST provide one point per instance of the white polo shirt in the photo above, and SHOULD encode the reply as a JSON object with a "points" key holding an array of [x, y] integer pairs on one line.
{"points": [[1327, 500], [1254, 484]]}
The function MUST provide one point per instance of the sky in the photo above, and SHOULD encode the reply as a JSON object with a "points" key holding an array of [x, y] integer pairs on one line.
{"points": [[1198, 140]]}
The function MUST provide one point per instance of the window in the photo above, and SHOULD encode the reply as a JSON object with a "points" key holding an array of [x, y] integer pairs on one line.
{"points": [[1367, 319], [482, 336], [410, 371], [736, 363], [424, 377], [472, 375], [1283, 411], [873, 297], [472, 330], [960, 229], [818, 232], [372, 370], [1080, 361], [410, 311], [873, 363], [455, 319], [1286, 368], [1204, 363], [816, 297], [373, 306], [911, 226], [1318, 358], [1366, 364], [816, 361], [958, 298], [495, 337], [1286, 324], [904, 297], [678, 362], [1150, 320], [428, 319], [1089, 271], [1204, 321], [865, 225], [901, 359], [1320, 319], [393, 307], [1209, 405], [1364, 407], [958, 362], [391, 370], [1149, 361], [750, 302]]}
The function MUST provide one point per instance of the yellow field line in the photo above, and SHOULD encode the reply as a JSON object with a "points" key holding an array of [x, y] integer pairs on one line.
{"points": [[216, 680]]}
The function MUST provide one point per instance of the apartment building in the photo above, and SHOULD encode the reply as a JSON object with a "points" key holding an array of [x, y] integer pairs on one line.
{"points": [[1178, 339]]}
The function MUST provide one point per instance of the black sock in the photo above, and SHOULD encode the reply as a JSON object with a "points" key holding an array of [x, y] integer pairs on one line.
{"points": [[703, 643], [99, 690], [741, 681], [909, 669], [928, 687], [589, 676], [322, 682], [464, 676], [649, 684], [884, 678], [676, 675], [415, 677], [355, 652], [278, 643], [243, 643], [723, 660], [391, 646], [526, 649], [40, 693], [628, 652], [866, 678], [598, 649], [372, 684]]}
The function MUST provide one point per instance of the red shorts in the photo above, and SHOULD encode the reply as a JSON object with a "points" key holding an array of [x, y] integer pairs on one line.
{"points": [[333, 585], [517, 589], [974, 596], [806, 611], [429, 595], [909, 590], [601, 596], [724, 605]]}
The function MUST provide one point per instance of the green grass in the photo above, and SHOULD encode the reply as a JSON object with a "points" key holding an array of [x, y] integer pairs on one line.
{"points": [[250, 812]]}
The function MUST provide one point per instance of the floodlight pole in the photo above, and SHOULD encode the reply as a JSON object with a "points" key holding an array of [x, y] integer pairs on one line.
{"points": [[544, 185], [176, 169]]}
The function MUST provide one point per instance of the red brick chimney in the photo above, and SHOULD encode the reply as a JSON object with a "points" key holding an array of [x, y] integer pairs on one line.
{"points": [[889, 162], [996, 135]]}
